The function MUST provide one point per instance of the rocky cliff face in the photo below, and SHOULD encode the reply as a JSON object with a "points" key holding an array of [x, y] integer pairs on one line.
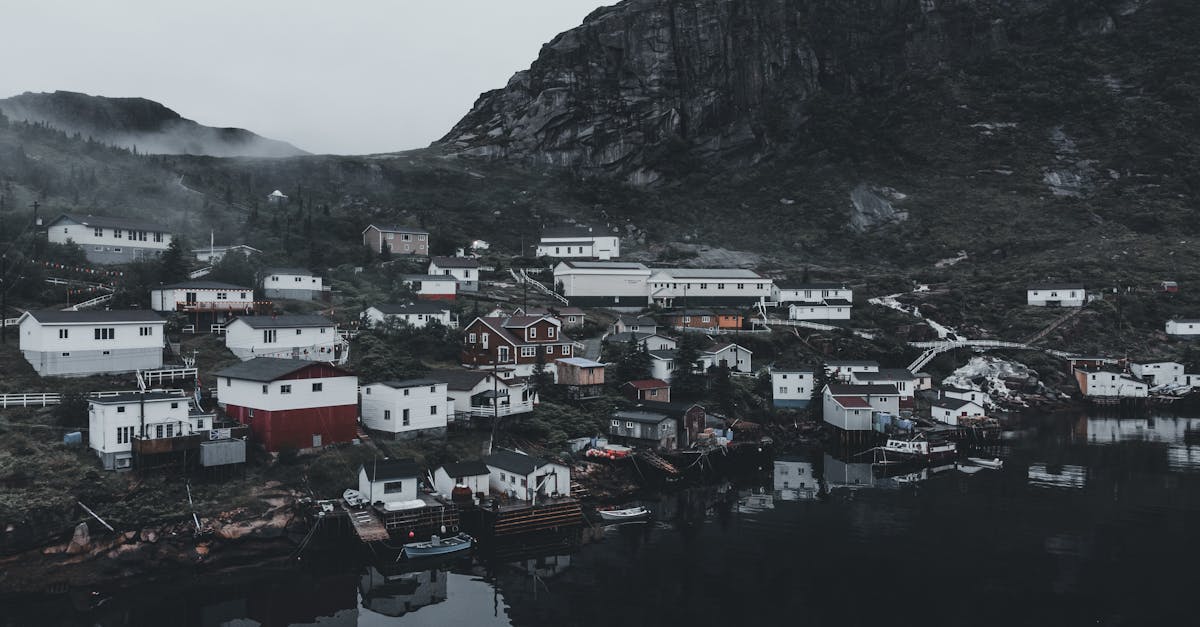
{"points": [[141, 123], [646, 85]]}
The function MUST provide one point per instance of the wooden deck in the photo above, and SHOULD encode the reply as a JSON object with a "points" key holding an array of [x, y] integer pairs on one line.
{"points": [[366, 524], [514, 519]]}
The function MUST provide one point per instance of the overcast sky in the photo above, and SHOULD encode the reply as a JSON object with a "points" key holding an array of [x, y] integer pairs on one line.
{"points": [[349, 77]]}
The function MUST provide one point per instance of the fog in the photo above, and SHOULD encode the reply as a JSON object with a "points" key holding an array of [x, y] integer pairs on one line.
{"points": [[352, 77]]}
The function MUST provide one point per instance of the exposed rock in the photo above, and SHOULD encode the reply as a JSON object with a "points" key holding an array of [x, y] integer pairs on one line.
{"points": [[872, 207], [149, 535], [81, 540]]}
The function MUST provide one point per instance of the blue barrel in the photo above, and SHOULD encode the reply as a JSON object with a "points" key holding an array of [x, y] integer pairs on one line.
{"points": [[73, 437]]}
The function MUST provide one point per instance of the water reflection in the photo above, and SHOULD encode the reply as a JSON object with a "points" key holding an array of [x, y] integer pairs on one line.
{"points": [[1065, 476], [794, 479], [398, 593]]}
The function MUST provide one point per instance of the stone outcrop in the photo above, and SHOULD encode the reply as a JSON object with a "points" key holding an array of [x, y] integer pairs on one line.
{"points": [[646, 86]]}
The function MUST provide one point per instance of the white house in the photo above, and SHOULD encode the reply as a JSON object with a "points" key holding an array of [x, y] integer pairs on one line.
{"points": [[822, 310], [843, 370], [801, 292], [81, 343], [480, 393], [702, 287], [214, 254], [578, 242], [202, 296], [950, 410], [852, 407], [389, 480], [293, 283], [432, 286], [905, 381], [465, 270], [1095, 382], [1056, 295], [791, 388], [473, 475], [732, 356], [117, 419], [1184, 326], [652, 341], [406, 409], [525, 477], [634, 324], [1159, 373], [415, 315], [983, 399], [615, 285], [312, 338], [108, 240]]}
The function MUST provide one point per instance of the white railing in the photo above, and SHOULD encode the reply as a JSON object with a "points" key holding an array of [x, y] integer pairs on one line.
{"points": [[39, 399], [537, 285], [90, 303], [11, 322], [487, 411], [195, 274], [147, 378]]}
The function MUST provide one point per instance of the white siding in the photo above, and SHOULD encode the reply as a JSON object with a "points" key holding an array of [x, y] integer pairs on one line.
{"points": [[167, 299], [375, 491], [376, 317], [87, 239], [105, 419], [791, 385], [247, 342], [36, 336], [1064, 298], [335, 391], [443, 484], [426, 406]]}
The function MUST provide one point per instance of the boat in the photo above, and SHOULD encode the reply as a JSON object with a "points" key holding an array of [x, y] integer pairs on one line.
{"points": [[438, 546], [622, 515], [995, 463], [919, 447], [970, 470]]}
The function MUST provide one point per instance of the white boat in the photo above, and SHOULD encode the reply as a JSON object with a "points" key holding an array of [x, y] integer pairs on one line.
{"points": [[621, 515], [919, 447], [970, 470], [995, 463]]}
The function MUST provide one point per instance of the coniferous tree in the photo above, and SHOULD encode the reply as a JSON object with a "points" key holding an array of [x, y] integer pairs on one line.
{"points": [[173, 266], [816, 403], [685, 381]]}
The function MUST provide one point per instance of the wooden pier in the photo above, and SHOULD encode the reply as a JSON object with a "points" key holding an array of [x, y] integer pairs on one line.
{"points": [[366, 524], [520, 517], [437, 517]]}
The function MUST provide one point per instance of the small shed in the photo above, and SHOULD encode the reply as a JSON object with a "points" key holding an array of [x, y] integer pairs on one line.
{"points": [[389, 480], [584, 378]]}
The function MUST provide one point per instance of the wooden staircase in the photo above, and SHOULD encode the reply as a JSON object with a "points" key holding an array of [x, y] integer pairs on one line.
{"points": [[656, 461]]}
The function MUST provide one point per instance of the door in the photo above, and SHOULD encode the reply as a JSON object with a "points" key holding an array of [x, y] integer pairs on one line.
{"points": [[316, 440]]}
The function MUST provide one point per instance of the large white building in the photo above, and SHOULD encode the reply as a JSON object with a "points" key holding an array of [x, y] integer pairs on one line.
{"points": [[293, 283], [1056, 295], [690, 287], [81, 343], [311, 338], [1097, 382], [578, 242], [406, 409], [1160, 372], [202, 296], [1184, 327], [117, 419], [800, 292], [612, 284], [108, 240], [791, 388], [415, 315]]}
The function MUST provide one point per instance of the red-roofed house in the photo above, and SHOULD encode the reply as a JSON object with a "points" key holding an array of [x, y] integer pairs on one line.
{"points": [[851, 407], [516, 342], [655, 390]]}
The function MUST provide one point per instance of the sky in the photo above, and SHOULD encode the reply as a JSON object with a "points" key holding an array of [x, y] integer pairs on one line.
{"points": [[343, 77]]}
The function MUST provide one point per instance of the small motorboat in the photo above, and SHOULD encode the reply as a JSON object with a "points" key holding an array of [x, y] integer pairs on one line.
{"points": [[970, 470], [438, 546], [995, 463], [624, 515]]}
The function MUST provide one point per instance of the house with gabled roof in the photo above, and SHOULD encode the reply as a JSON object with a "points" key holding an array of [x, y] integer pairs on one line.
{"points": [[432, 286], [578, 242], [789, 291], [647, 390], [290, 403], [1055, 295], [402, 410], [792, 387], [290, 336], [649, 341], [732, 356], [852, 407], [905, 381], [472, 475], [82, 343], [518, 343], [465, 271], [634, 324], [389, 480], [1110, 383], [416, 315], [526, 477], [293, 283], [649, 429], [620, 286], [107, 239], [569, 316], [483, 393], [400, 240], [951, 410]]}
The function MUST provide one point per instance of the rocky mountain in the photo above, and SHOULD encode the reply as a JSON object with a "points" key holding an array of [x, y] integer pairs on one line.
{"points": [[644, 84], [137, 122]]}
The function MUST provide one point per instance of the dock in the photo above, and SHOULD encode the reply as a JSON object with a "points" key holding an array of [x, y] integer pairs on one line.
{"points": [[366, 524], [519, 517]]}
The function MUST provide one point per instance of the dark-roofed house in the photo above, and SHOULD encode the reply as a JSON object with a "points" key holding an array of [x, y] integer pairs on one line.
{"points": [[569, 316], [639, 427], [401, 240], [141, 429], [649, 341], [290, 403], [465, 270], [635, 324], [401, 410], [294, 284], [107, 239], [526, 477], [788, 291], [202, 295], [852, 407], [82, 343], [432, 286], [578, 242], [691, 417], [472, 475], [516, 342], [844, 369], [415, 315], [1056, 295], [310, 337], [584, 378], [389, 480], [482, 394], [950, 410]]}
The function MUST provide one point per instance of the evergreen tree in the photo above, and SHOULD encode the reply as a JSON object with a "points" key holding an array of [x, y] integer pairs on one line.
{"points": [[541, 379], [685, 381], [385, 254], [816, 403], [722, 388], [635, 363], [173, 265]]}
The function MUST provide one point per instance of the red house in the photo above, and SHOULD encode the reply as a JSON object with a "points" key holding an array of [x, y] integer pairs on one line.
{"points": [[515, 342], [655, 390], [291, 403]]}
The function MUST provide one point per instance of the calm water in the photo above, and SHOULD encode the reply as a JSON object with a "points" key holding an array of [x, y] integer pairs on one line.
{"points": [[1092, 521]]}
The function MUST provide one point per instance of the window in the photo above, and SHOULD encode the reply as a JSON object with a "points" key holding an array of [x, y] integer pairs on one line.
{"points": [[174, 405], [653, 392], [502, 477], [132, 236], [116, 250], [502, 353], [741, 286], [550, 333], [120, 410], [323, 329], [63, 333], [407, 237], [298, 279], [98, 232], [532, 332], [243, 296], [117, 233], [433, 389], [285, 389], [483, 339], [275, 278], [393, 487], [265, 389], [783, 390], [269, 336], [549, 350], [523, 484], [704, 286], [704, 319], [66, 354], [145, 331], [616, 423], [387, 414], [628, 425], [720, 286], [228, 382], [406, 391], [471, 338], [433, 410], [317, 387], [566, 350], [391, 236], [105, 333], [404, 418], [222, 296], [158, 237], [297, 331], [530, 351], [158, 431]]}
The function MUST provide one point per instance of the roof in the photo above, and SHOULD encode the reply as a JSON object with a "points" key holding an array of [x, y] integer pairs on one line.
{"points": [[552, 311], [455, 262], [788, 284], [572, 231], [115, 316], [411, 308], [391, 469], [851, 362], [393, 228], [428, 277], [286, 321], [203, 285], [793, 370], [411, 383], [852, 402], [837, 302], [958, 390], [225, 248], [299, 271], [953, 403], [121, 398], [513, 461], [517, 322], [460, 380], [644, 417], [581, 362], [1055, 286], [568, 242], [636, 336], [648, 384], [674, 410], [605, 265], [890, 374], [709, 273], [716, 348], [637, 320], [110, 222], [1186, 320], [664, 354], [466, 469], [267, 369], [689, 312], [838, 389], [501, 327]]}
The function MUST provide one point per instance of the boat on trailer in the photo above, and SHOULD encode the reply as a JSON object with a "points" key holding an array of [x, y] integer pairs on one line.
{"points": [[624, 515], [438, 546]]}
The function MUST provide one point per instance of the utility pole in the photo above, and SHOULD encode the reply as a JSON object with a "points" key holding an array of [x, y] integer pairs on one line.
{"points": [[3, 298]]}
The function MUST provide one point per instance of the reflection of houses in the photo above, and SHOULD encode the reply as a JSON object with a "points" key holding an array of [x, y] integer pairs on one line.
{"points": [[480, 393], [584, 378], [643, 428], [398, 593], [131, 429], [852, 475], [313, 338], [1066, 476], [526, 477], [794, 479]]}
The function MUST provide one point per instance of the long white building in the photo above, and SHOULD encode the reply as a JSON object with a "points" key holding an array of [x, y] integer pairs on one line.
{"points": [[81, 343], [108, 240], [311, 338], [578, 242], [679, 287], [616, 285]]}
